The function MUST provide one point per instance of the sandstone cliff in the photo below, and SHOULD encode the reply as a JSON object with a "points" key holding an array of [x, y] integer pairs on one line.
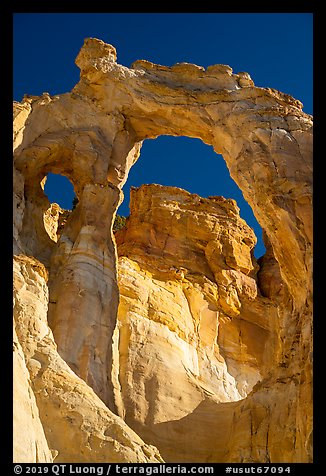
{"points": [[68, 420], [185, 347], [193, 332]]}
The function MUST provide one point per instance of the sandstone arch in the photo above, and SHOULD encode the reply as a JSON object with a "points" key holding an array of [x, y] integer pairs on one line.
{"points": [[93, 135]]}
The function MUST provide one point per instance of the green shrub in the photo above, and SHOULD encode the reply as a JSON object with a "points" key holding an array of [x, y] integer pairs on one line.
{"points": [[119, 222], [74, 202]]}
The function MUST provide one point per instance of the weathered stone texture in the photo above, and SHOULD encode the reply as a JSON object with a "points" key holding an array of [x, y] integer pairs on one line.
{"points": [[188, 331], [204, 338], [78, 427]]}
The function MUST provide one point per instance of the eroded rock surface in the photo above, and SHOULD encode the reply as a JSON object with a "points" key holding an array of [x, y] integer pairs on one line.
{"points": [[189, 329], [77, 424], [209, 302]]}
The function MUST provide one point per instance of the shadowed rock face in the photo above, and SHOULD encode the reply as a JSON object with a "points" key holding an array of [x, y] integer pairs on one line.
{"points": [[193, 299]]}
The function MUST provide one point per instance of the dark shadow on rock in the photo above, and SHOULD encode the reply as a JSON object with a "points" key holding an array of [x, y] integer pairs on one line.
{"points": [[199, 437]]}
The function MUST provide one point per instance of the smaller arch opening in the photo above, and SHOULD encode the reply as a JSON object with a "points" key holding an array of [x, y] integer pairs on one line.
{"points": [[61, 195], [60, 190]]}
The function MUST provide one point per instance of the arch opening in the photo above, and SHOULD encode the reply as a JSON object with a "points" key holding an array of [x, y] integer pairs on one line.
{"points": [[60, 192], [189, 164], [192, 165], [190, 286]]}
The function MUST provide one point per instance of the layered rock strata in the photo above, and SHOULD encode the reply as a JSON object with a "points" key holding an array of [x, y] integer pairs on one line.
{"points": [[56, 414], [193, 329], [93, 135]]}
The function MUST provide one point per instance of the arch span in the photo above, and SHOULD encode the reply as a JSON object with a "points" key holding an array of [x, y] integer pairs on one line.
{"points": [[94, 134]]}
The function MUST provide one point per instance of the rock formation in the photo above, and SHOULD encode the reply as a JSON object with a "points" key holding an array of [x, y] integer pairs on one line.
{"points": [[206, 354], [77, 426], [193, 331]]}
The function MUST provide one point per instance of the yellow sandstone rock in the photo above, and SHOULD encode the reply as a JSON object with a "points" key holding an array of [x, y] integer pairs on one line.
{"points": [[209, 355], [181, 337], [52, 406]]}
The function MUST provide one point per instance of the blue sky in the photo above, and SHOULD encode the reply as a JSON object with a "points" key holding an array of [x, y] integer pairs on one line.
{"points": [[276, 49]]}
